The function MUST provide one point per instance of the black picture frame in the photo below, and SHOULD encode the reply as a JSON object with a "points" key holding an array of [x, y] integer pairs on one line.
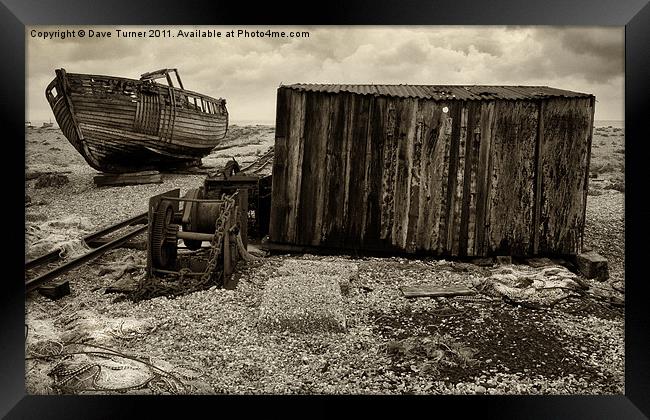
{"points": [[633, 14]]}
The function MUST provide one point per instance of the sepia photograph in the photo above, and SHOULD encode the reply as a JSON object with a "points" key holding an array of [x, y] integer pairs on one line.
{"points": [[376, 210]]}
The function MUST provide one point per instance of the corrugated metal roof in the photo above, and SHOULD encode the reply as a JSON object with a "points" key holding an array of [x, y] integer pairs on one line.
{"points": [[443, 92]]}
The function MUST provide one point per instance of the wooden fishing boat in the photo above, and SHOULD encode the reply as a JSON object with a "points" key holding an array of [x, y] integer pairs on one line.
{"points": [[125, 125]]}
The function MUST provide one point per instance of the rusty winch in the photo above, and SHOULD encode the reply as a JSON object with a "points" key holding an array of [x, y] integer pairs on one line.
{"points": [[213, 218]]}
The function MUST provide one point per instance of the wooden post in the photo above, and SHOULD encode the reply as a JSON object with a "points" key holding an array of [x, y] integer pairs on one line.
{"points": [[227, 262], [243, 215]]}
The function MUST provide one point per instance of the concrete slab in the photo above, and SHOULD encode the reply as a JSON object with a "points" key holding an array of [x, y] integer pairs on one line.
{"points": [[305, 297]]}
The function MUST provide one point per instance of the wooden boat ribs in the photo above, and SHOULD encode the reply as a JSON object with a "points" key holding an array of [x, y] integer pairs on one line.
{"points": [[127, 125]]}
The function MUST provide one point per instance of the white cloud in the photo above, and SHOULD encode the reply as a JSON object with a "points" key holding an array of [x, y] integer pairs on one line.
{"points": [[247, 71]]}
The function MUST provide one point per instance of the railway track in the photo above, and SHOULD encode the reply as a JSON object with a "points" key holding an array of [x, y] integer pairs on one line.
{"points": [[33, 279], [264, 164], [38, 270]]}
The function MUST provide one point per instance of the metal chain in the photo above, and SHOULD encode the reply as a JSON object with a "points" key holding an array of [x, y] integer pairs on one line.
{"points": [[153, 287], [217, 239]]}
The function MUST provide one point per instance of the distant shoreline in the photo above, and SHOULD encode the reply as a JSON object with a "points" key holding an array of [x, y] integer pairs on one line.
{"points": [[607, 123], [597, 123]]}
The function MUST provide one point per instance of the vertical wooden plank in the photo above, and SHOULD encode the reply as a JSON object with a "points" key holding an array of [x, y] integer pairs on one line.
{"points": [[138, 113], [319, 167], [319, 161], [446, 137], [512, 191], [350, 109], [357, 171], [153, 122], [427, 203], [242, 206], [416, 135], [389, 170], [335, 174], [227, 257], [439, 142], [367, 182], [400, 174], [567, 123], [310, 210], [295, 162], [279, 198], [484, 176], [592, 104], [406, 128], [460, 180], [468, 213], [455, 110], [538, 178], [376, 159]]}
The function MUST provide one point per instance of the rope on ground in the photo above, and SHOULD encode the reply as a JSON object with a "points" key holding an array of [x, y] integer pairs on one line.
{"points": [[243, 252], [618, 288], [159, 381]]}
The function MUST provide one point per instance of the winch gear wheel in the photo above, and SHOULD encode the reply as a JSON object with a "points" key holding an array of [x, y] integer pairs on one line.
{"points": [[163, 251]]}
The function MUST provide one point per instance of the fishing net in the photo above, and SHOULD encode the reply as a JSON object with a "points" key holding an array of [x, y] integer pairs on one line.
{"points": [[65, 235], [530, 286], [88, 369], [85, 357]]}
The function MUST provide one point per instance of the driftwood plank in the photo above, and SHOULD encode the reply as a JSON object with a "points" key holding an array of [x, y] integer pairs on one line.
{"points": [[56, 289], [435, 291]]}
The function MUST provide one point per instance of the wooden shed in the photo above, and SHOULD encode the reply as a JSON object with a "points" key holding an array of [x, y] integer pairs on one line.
{"points": [[438, 170]]}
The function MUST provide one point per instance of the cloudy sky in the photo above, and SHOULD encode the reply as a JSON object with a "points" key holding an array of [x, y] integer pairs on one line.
{"points": [[247, 71]]}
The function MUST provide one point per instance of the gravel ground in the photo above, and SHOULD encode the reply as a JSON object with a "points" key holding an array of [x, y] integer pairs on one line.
{"points": [[478, 347], [605, 230], [210, 342]]}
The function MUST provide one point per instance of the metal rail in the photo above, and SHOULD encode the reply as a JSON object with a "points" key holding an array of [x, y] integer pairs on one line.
{"points": [[76, 262], [259, 163], [51, 256]]}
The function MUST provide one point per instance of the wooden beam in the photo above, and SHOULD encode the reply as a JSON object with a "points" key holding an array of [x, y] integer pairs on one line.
{"points": [[147, 177], [55, 290], [435, 291]]}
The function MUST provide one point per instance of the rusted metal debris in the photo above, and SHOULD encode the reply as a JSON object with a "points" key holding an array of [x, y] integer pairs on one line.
{"points": [[216, 213]]}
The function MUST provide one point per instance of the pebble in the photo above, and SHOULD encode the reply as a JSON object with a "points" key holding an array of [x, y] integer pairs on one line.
{"points": [[260, 350]]}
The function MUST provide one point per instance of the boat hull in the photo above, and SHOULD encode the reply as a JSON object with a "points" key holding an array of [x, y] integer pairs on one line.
{"points": [[124, 125]]}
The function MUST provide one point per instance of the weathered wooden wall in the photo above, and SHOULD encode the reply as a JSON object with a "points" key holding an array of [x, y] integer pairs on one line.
{"points": [[379, 172]]}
